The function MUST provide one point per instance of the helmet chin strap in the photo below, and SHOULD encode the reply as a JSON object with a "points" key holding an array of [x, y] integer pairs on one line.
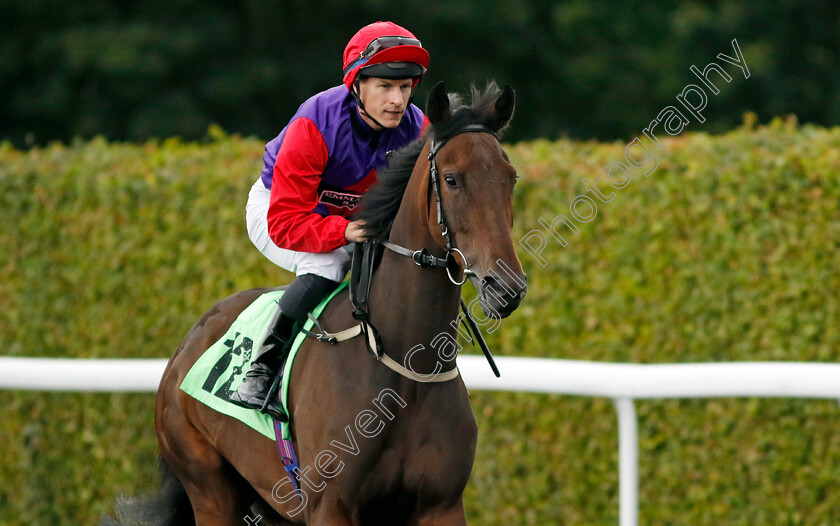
{"points": [[358, 97]]}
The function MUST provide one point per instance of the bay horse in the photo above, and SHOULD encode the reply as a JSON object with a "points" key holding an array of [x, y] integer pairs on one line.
{"points": [[374, 447]]}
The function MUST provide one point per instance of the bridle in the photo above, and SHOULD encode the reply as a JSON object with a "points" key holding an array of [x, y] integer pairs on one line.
{"points": [[422, 257], [361, 277]]}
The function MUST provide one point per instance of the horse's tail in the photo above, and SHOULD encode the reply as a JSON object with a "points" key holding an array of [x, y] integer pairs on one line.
{"points": [[167, 506]]}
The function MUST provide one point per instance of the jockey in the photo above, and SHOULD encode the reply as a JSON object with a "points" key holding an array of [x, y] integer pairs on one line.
{"points": [[298, 211]]}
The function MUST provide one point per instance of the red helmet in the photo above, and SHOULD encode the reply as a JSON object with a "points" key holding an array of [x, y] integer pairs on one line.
{"points": [[386, 50]]}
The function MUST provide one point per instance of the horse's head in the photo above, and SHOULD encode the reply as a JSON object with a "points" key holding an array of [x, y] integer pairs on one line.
{"points": [[471, 184]]}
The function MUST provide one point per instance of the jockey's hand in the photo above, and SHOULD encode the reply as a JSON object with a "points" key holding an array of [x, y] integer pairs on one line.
{"points": [[355, 232]]}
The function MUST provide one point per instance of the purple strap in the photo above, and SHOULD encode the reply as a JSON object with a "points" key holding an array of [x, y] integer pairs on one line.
{"points": [[287, 455]]}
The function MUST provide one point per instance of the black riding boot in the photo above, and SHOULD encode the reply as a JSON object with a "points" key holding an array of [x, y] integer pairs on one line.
{"points": [[303, 295], [253, 390]]}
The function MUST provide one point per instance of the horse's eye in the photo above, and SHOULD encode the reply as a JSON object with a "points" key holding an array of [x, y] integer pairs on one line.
{"points": [[451, 182]]}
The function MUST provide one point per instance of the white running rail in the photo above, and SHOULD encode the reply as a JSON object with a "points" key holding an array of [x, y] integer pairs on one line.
{"points": [[621, 382]]}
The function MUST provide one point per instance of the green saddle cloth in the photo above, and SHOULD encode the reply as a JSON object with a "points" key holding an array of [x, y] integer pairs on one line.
{"points": [[216, 375]]}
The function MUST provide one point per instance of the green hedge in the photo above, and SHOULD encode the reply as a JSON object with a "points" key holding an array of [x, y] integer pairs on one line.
{"points": [[727, 252]]}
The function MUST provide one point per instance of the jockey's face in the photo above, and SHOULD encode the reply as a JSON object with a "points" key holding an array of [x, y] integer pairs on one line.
{"points": [[385, 100]]}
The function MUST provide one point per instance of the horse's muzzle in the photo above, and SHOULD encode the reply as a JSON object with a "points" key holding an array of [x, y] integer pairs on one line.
{"points": [[499, 298]]}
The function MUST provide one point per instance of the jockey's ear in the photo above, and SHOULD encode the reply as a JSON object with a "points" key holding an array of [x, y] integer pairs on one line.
{"points": [[437, 106], [503, 109]]}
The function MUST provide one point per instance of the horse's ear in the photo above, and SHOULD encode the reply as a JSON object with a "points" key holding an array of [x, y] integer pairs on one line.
{"points": [[437, 106], [503, 108]]}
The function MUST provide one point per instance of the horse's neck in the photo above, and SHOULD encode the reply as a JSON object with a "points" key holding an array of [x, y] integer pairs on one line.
{"points": [[411, 305]]}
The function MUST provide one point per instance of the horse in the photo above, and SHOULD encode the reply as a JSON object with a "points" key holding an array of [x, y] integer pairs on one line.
{"points": [[375, 447]]}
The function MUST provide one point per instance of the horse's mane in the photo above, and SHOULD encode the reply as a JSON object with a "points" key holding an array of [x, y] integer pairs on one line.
{"points": [[379, 206]]}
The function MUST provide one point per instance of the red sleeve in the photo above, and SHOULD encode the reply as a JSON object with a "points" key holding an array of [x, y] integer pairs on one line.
{"points": [[294, 193]]}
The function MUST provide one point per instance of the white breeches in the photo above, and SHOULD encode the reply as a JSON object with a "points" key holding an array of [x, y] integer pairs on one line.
{"points": [[331, 265]]}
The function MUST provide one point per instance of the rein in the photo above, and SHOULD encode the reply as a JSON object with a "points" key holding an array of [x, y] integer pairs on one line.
{"points": [[361, 277]]}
